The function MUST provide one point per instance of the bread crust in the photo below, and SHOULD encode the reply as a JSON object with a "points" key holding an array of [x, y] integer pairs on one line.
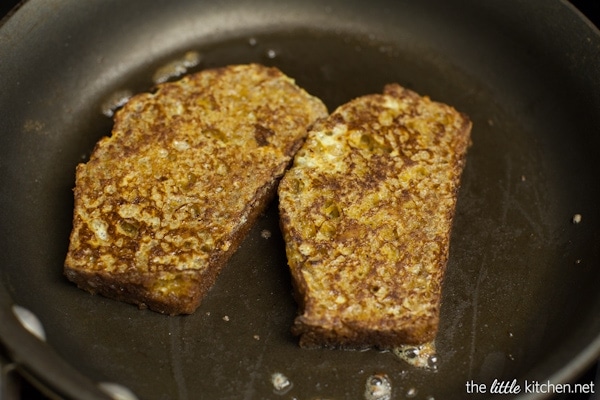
{"points": [[366, 213], [165, 201]]}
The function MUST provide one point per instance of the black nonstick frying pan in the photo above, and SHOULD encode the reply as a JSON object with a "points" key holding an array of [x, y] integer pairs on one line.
{"points": [[521, 298]]}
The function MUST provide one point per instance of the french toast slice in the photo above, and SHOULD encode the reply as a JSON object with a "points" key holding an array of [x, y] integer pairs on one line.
{"points": [[366, 212], [166, 199]]}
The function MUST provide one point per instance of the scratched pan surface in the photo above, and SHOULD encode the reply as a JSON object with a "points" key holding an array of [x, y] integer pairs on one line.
{"points": [[521, 298]]}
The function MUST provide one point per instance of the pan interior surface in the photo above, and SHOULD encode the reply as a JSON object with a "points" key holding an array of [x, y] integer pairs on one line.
{"points": [[522, 276]]}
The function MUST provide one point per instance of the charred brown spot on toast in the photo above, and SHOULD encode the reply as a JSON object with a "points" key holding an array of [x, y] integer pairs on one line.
{"points": [[164, 201], [366, 213]]}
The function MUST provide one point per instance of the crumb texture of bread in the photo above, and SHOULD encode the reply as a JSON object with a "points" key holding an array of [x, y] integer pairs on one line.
{"points": [[366, 211], [166, 199]]}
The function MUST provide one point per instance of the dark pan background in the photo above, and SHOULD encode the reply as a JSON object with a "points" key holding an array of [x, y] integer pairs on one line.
{"points": [[589, 7]]}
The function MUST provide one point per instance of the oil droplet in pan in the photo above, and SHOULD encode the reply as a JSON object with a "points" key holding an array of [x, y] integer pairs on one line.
{"points": [[271, 54], [115, 101], [281, 383], [421, 356], [177, 67], [378, 387]]}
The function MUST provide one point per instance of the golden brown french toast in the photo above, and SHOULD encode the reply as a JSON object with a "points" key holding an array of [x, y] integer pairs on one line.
{"points": [[166, 199], [366, 211]]}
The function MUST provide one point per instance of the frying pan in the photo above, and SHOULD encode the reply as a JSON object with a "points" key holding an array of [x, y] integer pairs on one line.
{"points": [[520, 299]]}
